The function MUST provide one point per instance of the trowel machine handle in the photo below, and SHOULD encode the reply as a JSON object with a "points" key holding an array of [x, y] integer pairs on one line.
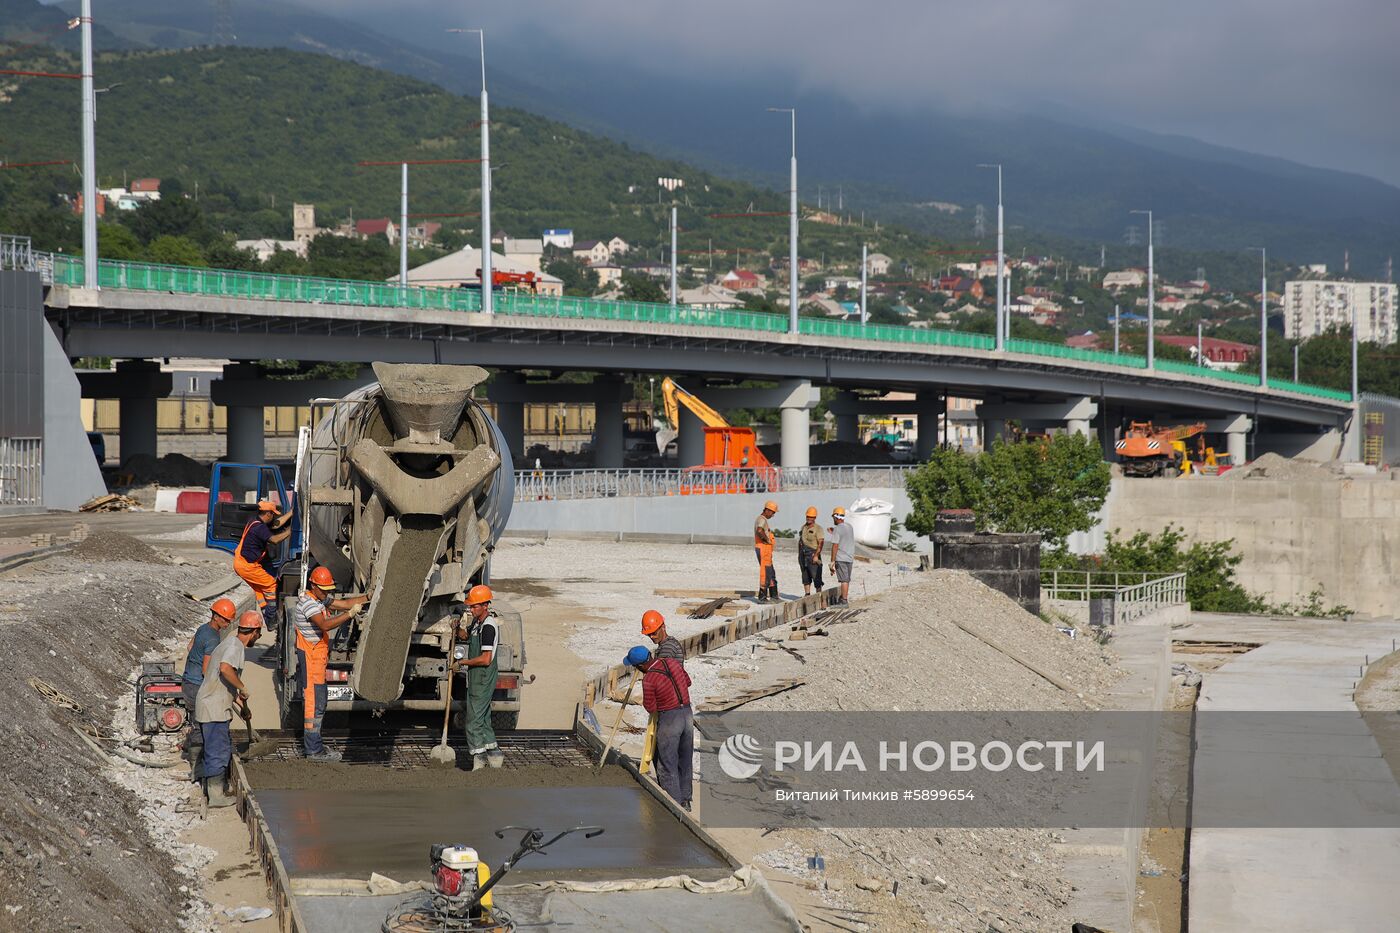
{"points": [[532, 841]]}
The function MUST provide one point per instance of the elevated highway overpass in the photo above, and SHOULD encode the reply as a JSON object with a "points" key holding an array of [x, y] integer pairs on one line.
{"points": [[143, 312]]}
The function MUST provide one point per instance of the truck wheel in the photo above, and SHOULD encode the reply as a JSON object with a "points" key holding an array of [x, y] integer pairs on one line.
{"points": [[505, 721]]}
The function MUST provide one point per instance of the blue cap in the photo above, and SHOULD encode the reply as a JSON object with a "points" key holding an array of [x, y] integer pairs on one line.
{"points": [[638, 655]]}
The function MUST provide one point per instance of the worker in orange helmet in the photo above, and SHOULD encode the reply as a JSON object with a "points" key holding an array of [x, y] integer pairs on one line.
{"points": [[478, 629], [252, 559], [314, 622], [654, 627], [810, 540], [206, 639], [763, 548]]}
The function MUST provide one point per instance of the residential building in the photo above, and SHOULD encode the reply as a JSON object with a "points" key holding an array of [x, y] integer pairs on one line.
{"points": [[1127, 278], [609, 274], [710, 297], [266, 248], [146, 189], [878, 264], [1171, 305], [1313, 307], [1225, 354], [833, 282], [742, 280], [656, 270], [617, 246], [591, 252], [422, 234], [525, 253], [101, 205], [1085, 341], [382, 226], [961, 287], [987, 268], [564, 239], [462, 269]]}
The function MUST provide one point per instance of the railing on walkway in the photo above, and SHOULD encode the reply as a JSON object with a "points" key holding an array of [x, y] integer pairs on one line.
{"points": [[21, 471], [16, 252], [531, 485], [1133, 594], [224, 283]]}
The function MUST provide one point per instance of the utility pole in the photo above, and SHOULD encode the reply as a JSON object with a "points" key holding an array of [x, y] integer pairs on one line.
{"points": [[1115, 329], [1001, 260], [1200, 344], [1354, 393], [403, 228], [89, 152], [1295, 361], [673, 255], [864, 266], [792, 223], [487, 282], [1151, 296], [1263, 315]]}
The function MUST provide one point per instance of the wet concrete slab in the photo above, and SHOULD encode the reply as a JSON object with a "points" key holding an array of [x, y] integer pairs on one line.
{"points": [[350, 834]]}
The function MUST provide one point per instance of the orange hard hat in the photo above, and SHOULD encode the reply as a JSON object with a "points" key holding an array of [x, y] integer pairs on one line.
{"points": [[838, 512], [812, 512], [479, 594], [250, 619], [321, 578], [267, 505], [770, 506], [651, 621], [224, 609]]}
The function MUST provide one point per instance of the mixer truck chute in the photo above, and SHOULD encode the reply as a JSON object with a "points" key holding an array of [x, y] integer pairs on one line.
{"points": [[403, 488]]}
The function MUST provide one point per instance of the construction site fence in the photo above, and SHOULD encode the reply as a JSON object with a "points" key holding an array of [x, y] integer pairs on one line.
{"points": [[21, 471], [532, 485], [226, 283], [1133, 594]]}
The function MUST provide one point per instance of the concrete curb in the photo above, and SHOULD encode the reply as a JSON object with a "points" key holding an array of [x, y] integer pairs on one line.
{"points": [[29, 557]]}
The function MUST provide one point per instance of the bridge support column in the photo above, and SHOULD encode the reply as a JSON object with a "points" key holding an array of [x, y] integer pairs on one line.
{"points": [[1076, 414], [609, 436], [847, 418], [510, 411], [928, 409], [795, 415], [138, 384], [690, 439], [1236, 430], [245, 441]]}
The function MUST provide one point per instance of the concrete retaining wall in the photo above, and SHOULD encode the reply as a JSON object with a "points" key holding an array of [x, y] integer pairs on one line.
{"points": [[1340, 534], [724, 515]]}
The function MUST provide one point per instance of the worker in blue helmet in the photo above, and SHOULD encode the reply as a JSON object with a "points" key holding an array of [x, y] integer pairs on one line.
{"points": [[666, 695]]}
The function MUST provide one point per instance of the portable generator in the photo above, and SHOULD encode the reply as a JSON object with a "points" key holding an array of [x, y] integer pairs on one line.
{"points": [[160, 702]]}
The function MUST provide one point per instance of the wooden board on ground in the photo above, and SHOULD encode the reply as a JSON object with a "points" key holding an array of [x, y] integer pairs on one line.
{"points": [[748, 696], [210, 590], [699, 594]]}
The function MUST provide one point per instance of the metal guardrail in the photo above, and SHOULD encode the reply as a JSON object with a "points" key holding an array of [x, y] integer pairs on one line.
{"points": [[16, 252], [1134, 593], [21, 471], [224, 283], [533, 485]]}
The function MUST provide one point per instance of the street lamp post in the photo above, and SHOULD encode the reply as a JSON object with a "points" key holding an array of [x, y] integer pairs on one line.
{"points": [[1115, 330], [89, 152], [1151, 296], [1263, 315], [487, 304], [403, 228], [1354, 392], [864, 266], [1002, 328], [673, 256], [792, 222]]}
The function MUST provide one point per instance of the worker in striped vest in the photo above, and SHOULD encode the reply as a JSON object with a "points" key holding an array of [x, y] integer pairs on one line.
{"points": [[314, 623]]}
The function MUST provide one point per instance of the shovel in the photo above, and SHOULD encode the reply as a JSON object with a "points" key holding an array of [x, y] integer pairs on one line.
{"points": [[602, 759], [257, 745], [442, 755]]}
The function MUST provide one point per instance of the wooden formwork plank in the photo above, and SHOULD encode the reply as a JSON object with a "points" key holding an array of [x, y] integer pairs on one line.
{"points": [[289, 919]]}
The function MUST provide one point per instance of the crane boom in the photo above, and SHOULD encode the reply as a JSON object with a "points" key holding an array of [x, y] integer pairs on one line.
{"points": [[671, 394]]}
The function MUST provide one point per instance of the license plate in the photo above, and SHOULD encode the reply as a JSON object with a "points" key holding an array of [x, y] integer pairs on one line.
{"points": [[339, 693]]}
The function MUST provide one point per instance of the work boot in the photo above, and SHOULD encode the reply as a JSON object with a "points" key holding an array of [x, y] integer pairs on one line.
{"points": [[496, 758], [325, 754], [479, 762], [217, 792]]}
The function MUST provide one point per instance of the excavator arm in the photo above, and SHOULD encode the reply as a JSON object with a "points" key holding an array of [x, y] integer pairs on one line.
{"points": [[673, 396]]}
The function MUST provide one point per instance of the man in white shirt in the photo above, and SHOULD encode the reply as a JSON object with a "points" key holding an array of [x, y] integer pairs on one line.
{"points": [[222, 692], [843, 551]]}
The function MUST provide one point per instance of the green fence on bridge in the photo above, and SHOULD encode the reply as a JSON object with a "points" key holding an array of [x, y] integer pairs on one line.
{"points": [[227, 283]]}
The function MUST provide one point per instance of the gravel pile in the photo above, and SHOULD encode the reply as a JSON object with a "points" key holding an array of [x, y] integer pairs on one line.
{"points": [[1273, 466], [170, 470], [116, 546], [907, 653], [76, 851]]}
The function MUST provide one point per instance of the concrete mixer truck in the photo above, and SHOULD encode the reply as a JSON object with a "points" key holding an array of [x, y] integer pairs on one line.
{"points": [[402, 489]]}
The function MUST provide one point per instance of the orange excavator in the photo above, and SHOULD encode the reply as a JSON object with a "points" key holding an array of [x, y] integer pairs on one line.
{"points": [[733, 462], [1146, 450]]}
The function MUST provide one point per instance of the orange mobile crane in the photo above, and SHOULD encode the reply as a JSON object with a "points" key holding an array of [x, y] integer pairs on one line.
{"points": [[733, 462], [1146, 450]]}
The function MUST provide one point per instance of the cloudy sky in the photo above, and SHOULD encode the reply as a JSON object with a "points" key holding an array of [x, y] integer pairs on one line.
{"points": [[1310, 80]]}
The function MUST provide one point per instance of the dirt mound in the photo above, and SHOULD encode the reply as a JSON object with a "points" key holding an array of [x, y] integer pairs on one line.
{"points": [[170, 470], [75, 851], [113, 545], [835, 453], [1273, 466]]}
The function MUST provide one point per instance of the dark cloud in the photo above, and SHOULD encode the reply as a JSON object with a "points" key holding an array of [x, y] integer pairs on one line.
{"points": [[1302, 79]]}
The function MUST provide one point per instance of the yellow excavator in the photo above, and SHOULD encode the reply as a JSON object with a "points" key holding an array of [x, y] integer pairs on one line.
{"points": [[728, 449]]}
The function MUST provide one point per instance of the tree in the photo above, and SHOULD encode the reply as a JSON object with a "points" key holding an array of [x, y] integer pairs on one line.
{"points": [[641, 288], [339, 257], [117, 242], [175, 251], [1052, 487], [167, 217], [578, 279]]}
